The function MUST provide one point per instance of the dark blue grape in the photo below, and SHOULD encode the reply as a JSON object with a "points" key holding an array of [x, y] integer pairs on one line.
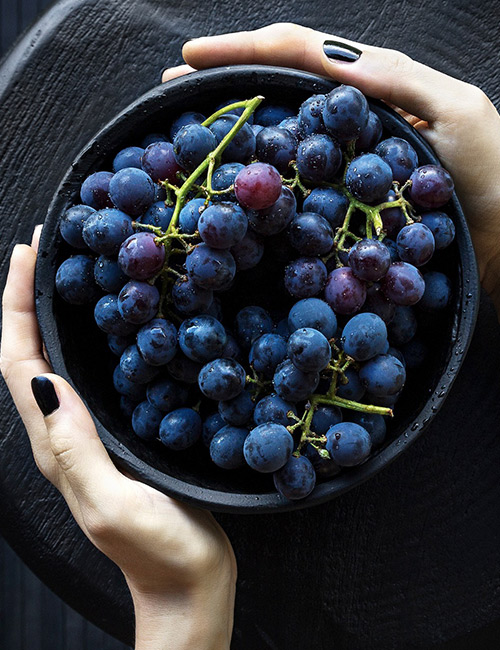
{"points": [[272, 114], [202, 338], [128, 157], [309, 350], [127, 388], [441, 226], [248, 251], [282, 328], [75, 280], [157, 341], [158, 215], [437, 293], [268, 447], [364, 336], [325, 416], [192, 144], [383, 375], [273, 220], [344, 292], [292, 125], [368, 178], [310, 234], [310, 118], [223, 225], [266, 353], [166, 395], [190, 215], [373, 423], [348, 444], [370, 134], [222, 379], [211, 268], [150, 138], [242, 146], [296, 479], [180, 429], [127, 406], [238, 410], [189, 117], [146, 421], [393, 219], [132, 191], [138, 302], [189, 298], [330, 203], [315, 313], [274, 409], [305, 277], [400, 156], [352, 390], [95, 190], [106, 230], [318, 158], [415, 244], [378, 303], [72, 222], [223, 178], [135, 368], [108, 317], [231, 349], [211, 425], [276, 146], [183, 369], [369, 259], [403, 326], [392, 248], [345, 113], [108, 274], [251, 322], [226, 447], [117, 343], [293, 385], [324, 467]]}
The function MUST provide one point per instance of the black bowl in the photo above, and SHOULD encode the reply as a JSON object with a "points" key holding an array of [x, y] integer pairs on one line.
{"points": [[78, 351]]}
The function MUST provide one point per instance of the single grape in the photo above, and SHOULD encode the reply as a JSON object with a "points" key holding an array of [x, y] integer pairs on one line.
{"points": [[344, 292], [345, 113], [192, 144], [276, 218], [378, 303], [238, 410], [369, 259], [400, 156], [368, 178], [95, 190], [190, 299], [330, 203], [293, 385], [127, 406], [135, 368], [296, 479], [189, 117], [415, 244], [118, 343], [392, 248], [248, 251], [348, 444], [202, 338], [268, 447], [370, 135], [242, 146], [393, 219], [305, 277], [146, 421], [315, 313], [75, 280], [353, 389], [106, 230], [266, 353], [272, 114], [72, 222], [432, 186], [276, 146], [211, 425], [383, 375], [138, 302], [128, 157], [180, 429], [166, 395], [108, 274], [274, 409], [150, 138], [231, 349], [325, 416], [251, 322], [222, 225], [403, 284], [183, 369], [318, 158], [223, 179], [132, 191], [258, 186], [226, 447], [310, 234], [310, 118], [292, 125], [373, 423], [211, 268], [403, 326], [309, 350], [158, 215], [441, 226], [140, 256], [437, 293], [364, 336], [324, 467], [157, 341], [159, 162], [108, 317], [190, 215], [222, 379], [127, 388]]}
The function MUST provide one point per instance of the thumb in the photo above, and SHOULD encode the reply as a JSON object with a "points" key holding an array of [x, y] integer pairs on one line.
{"points": [[392, 76], [85, 467]]}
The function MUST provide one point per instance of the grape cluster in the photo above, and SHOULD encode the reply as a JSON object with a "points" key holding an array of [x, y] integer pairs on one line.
{"points": [[346, 218]]}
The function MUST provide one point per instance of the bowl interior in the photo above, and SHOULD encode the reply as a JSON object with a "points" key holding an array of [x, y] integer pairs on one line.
{"points": [[79, 351]]}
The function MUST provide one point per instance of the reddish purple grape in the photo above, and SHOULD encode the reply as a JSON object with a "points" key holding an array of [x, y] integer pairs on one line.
{"points": [[159, 162], [369, 259], [432, 186], [403, 284], [258, 186], [344, 292], [415, 244], [140, 257]]}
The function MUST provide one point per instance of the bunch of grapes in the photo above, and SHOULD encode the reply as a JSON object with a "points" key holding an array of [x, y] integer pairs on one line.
{"points": [[345, 218]]}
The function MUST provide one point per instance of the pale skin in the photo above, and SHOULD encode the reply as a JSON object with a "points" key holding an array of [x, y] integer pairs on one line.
{"points": [[177, 561]]}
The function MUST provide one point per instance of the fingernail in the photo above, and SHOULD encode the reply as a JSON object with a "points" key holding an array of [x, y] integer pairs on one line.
{"points": [[337, 51], [45, 395]]}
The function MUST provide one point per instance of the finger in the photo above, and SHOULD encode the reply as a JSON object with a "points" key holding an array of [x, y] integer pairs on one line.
{"points": [[35, 240], [74, 442], [177, 71], [380, 73]]}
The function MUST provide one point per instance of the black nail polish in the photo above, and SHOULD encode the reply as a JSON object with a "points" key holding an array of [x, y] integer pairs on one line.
{"points": [[337, 51], [45, 395]]}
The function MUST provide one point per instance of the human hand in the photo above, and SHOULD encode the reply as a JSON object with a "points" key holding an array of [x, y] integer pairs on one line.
{"points": [[178, 562], [455, 117]]}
